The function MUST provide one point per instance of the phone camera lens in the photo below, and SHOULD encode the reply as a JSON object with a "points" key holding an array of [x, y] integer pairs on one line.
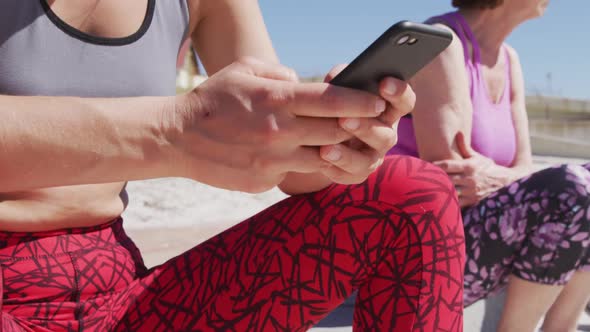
{"points": [[412, 41], [403, 40]]}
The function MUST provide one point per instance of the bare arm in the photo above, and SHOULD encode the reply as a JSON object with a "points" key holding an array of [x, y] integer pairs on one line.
{"points": [[475, 176], [443, 107], [228, 30], [244, 129], [54, 141], [523, 161], [58, 141], [224, 31]]}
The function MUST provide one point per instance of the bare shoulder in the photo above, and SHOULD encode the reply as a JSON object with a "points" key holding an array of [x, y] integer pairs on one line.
{"points": [[442, 87], [455, 51], [447, 68], [512, 55], [450, 59], [515, 73], [515, 64]]}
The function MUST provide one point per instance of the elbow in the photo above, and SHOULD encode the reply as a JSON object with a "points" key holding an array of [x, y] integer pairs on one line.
{"points": [[298, 185], [292, 190], [439, 152], [4, 185], [288, 191]]}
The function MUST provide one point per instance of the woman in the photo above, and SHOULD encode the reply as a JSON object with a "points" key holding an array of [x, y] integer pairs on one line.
{"points": [[529, 232], [66, 262]]}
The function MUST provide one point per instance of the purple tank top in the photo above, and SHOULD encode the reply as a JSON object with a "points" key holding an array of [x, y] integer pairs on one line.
{"points": [[493, 134]]}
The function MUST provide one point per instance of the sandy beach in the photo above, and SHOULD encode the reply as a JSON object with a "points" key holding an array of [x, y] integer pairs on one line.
{"points": [[168, 216]]}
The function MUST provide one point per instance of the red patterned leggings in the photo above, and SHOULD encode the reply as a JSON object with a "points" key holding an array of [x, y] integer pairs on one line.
{"points": [[397, 239]]}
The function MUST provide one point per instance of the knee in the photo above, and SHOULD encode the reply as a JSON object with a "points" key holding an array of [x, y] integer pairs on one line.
{"points": [[401, 177], [408, 187], [561, 201], [567, 185], [416, 187], [425, 197]]}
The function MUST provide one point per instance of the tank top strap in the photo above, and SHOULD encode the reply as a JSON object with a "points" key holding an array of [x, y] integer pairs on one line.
{"points": [[470, 36], [175, 15]]}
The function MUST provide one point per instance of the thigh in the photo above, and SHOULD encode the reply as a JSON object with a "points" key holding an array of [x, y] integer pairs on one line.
{"points": [[54, 281], [533, 228], [288, 266]]}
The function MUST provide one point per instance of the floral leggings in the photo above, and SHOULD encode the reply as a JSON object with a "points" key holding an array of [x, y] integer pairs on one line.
{"points": [[397, 239], [536, 228]]}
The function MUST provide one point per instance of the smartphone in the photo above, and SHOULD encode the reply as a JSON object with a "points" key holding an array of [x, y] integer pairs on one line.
{"points": [[400, 52]]}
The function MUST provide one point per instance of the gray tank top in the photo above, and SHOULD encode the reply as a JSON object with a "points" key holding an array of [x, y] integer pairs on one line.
{"points": [[42, 55]]}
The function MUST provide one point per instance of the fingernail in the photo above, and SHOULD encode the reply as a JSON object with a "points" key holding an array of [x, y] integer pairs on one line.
{"points": [[352, 124], [334, 154], [380, 106], [390, 87]]}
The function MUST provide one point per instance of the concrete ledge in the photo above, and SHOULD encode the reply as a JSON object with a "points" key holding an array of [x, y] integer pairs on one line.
{"points": [[560, 147]]}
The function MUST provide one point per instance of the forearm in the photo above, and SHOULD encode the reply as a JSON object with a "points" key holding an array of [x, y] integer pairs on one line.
{"points": [[521, 167], [58, 141], [508, 175], [519, 171]]}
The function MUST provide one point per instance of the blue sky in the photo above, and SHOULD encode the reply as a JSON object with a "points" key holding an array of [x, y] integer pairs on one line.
{"points": [[311, 36]]}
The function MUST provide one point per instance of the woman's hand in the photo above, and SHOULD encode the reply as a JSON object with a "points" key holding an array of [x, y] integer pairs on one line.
{"points": [[475, 177], [353, 160], [252, 122]]}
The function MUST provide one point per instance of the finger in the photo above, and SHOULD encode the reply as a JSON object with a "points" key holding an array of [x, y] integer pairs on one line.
{"points": [[467, 201], [269, 70], [324, 100], [399, 94], [374, 133], [304, 160], [319, 131], [351, 161], [466, 192], [463, 202], [391, 117], [461, 180], [334, 72], [356, 144], [451, 166], [340, 176], [464, 150]]}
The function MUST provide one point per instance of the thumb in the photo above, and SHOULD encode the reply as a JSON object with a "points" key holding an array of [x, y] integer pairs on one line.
{"points": [[464, 150]]}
